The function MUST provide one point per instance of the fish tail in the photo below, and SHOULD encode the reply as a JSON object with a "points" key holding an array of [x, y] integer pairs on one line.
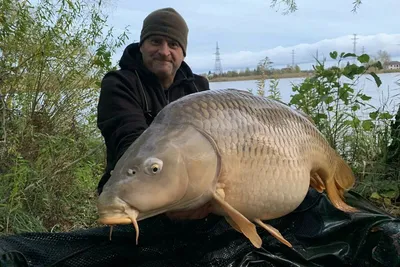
{"points": [[343, 180], [344, 176]]}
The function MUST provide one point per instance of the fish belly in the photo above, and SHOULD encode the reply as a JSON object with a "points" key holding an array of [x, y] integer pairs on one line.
{"points": [[268, 191], [265, 177]]}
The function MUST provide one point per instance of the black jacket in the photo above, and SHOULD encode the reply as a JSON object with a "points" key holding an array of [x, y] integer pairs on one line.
{"points": [[131, 97]]}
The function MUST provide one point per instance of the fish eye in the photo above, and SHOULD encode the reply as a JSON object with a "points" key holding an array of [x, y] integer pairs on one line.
{"points": [[153, 166]]}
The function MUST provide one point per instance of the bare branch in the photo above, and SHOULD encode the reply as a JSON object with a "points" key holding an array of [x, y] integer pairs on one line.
{"points": [[291, 5]]}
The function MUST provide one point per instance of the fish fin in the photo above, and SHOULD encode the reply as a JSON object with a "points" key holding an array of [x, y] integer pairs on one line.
{"points": [[337, 182], [221, 193], [336, 197], [316, 182], [233, 224], [245, 226], [344, 177], [274, 232]]}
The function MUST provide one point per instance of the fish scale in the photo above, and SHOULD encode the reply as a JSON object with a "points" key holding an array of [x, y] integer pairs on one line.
{"points": [[252, 158], [247, 193], [278, 126]]}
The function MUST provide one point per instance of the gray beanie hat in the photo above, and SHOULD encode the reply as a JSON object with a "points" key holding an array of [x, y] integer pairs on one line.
{"points": [[167, 22]]}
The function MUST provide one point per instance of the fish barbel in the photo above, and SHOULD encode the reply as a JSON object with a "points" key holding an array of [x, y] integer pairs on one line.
{"points": [[251, 157]]}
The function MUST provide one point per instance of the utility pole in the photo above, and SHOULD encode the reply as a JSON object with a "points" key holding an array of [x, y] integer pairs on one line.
{"points": [[218, 66], [354, 45], [293, 58]]}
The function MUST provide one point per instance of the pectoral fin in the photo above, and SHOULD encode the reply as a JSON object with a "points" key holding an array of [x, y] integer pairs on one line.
{"points": [[316, 182], [245, 226], [335, 196], [274, 232], [233, 224]]}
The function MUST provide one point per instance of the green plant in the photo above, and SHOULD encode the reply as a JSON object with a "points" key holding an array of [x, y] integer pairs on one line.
{"points": [[291, 5], [333, 102], [52, 56], [360, 132], [273, 90]]}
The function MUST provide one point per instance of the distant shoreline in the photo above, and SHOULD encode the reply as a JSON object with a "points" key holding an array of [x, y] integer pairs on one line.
{"points": [[278, 76]]}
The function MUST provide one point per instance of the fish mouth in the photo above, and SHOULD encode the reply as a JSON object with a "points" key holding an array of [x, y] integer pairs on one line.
{"points": [[126, 215]]}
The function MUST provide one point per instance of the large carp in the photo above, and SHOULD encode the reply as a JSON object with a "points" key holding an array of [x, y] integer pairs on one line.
{"points": [[251, 157]]}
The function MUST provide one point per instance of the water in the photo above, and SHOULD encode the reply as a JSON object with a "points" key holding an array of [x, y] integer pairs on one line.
{"points": [[387, 96]]}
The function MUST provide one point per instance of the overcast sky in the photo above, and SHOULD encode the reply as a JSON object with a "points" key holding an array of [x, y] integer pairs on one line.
{"points": [[249, 30]]}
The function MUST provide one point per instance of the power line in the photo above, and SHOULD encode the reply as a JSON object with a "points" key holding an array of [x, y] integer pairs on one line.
{"points": [[218, 65], [354, 45]]}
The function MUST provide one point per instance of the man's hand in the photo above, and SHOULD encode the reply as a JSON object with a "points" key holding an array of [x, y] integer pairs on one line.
{"points": [[196, 214]]}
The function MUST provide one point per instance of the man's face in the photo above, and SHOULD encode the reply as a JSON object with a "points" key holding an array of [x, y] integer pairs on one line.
{"points": [[162, 56]]}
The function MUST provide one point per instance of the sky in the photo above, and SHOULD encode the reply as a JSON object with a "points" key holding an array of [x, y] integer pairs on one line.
{"points": [[249, 30]]}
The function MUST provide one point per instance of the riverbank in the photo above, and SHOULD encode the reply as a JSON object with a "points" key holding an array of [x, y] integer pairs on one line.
{"points": [[279, 76], [257, 77]]}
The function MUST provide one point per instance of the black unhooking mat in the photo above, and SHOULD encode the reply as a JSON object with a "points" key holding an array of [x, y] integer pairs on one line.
{"points": [[320, 234]]}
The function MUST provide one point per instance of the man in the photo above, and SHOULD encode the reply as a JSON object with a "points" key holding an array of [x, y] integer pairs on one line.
{"points": [[152, 74]]}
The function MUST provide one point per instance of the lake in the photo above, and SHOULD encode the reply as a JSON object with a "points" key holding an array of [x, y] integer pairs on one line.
{"points": [[387, 95]]}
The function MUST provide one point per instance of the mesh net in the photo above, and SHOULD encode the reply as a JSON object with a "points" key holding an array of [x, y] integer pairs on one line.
{"points": [[320, 234]]}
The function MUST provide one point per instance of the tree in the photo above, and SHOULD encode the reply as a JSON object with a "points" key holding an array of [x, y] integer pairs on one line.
{"points": [[53, 55], [263, 66], [383, 56], [291, 5]]}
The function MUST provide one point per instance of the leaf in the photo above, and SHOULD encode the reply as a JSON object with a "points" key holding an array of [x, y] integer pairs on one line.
{"points": [[377, 65], [322, 116], [296, 99], [355, 107], [356, 122], [364, 58], [349, 55], [375, 195], [367, 125], [348, 122], [373, 115], [385, 116], [365, 97], [307, 86], [333, 54], [387, 201], [391, 194], [360, 70], [376, 78]]}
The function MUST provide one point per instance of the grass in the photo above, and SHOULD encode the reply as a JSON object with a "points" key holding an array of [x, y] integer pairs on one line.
{"points": [[257, 77]]}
